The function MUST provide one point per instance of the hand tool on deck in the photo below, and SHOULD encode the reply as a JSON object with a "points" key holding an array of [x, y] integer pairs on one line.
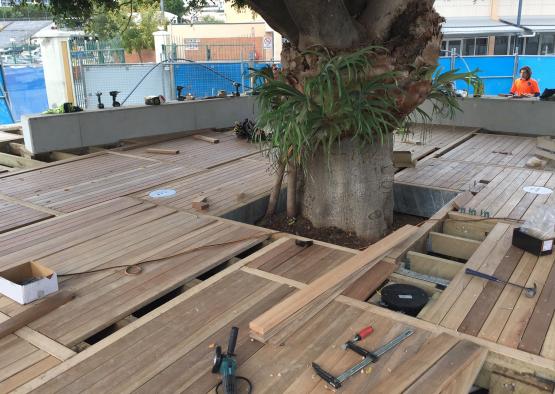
{"points": [[226, 365], [369, 357], [359, 336], [529, 292]]}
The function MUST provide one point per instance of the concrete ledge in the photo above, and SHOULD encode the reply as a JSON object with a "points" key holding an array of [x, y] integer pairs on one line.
{"points": [[503, 115], [420, 201], [45, 133]]}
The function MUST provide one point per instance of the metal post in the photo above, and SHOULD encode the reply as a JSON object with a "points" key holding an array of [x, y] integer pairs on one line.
{"points": [[519, 15], [242, 74], [452, 63]]}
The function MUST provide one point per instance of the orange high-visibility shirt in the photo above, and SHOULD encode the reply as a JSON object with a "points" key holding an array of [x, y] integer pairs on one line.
{"points": [[522, 86]]}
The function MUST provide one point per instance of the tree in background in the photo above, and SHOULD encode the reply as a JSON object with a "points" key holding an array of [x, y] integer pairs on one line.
{"points": [[352, 72], [134, 27], [176, 7], [210, 19]]}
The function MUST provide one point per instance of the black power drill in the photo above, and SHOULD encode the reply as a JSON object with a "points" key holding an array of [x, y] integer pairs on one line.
{"points": [[226, 365]]}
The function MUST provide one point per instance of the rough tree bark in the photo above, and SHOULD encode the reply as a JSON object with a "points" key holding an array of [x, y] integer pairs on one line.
{"points": [[355, 192]]}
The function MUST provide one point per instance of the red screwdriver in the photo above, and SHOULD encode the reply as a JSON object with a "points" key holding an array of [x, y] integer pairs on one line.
{"points": [[359, 336]]}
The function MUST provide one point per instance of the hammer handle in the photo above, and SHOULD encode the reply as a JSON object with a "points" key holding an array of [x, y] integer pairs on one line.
{"points": [[481, 275]]}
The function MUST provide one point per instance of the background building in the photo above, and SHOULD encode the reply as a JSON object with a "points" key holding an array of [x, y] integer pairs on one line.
{"points": [[479, 27]]}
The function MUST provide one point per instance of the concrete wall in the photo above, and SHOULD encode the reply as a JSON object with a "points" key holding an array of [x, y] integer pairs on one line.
{"points": [[45, 133], [522, 116]]}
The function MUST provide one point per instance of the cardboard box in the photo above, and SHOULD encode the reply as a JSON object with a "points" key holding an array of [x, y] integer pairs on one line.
{"points": [[28, 282], [531, 244]]}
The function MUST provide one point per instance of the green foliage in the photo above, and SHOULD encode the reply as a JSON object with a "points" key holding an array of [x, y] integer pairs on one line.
{"points": [[210, 19], [442, 96], [341, 101], [176, 7], [25, 11], [134, 29], [78, 12], [138, 35]]}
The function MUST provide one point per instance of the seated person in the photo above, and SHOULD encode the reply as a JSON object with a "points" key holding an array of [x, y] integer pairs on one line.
{"points": [[525, 86]]}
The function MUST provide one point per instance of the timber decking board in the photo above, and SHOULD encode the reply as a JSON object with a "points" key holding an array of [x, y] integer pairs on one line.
{"points": [[481, 147], [82, 183], [186, 333], [20, 362], [442, 174], [7, 137], [107, 296], [429, 137], [504, 196], [13, 216], [226, 187], [200, 154], [496, 312]]}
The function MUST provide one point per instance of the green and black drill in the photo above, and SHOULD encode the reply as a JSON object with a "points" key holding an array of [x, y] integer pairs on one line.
{"points": [[226, 365]]}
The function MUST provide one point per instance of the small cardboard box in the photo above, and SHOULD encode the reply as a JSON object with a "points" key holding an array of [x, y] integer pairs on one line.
{"points": [[532, 244], [28, 282]]}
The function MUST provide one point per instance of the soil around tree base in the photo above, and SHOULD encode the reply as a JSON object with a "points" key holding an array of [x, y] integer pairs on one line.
{"points": [[304, 228]]}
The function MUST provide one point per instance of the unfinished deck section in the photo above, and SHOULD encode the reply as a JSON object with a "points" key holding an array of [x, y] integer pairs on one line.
{"points": [[422, 140], [13, 215], [186, 329], [123, 232], [501, 313], [480, 163], [227, 188]]}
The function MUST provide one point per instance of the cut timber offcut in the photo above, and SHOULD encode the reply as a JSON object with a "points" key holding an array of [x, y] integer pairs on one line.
{"points": [[35, 312], [163, 151], [403, 159], [369, 257], [205, 138], [200, 203]]}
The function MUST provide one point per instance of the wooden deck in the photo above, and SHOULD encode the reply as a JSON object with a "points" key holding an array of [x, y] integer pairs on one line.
{"points": [[156, 331]]}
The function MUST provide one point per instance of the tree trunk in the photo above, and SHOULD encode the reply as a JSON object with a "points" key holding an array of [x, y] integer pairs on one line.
{"points": [[274, 195], [291, 189], [354, 192]]}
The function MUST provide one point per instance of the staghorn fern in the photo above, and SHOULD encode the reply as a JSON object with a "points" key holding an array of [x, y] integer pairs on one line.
{"points": [[340, 101]]}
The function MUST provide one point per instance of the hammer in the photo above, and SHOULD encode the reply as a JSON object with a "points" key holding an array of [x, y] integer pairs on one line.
{"points": [[529, 292]]}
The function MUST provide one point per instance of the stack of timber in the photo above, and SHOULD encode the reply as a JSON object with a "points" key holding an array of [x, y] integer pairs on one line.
{"points": [[285, 318]]}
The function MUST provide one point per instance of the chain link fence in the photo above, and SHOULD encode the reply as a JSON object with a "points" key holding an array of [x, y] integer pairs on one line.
{"points": [[199, 70]]}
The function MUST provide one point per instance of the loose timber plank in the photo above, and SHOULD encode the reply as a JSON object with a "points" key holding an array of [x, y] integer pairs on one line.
{"points": [[276, 315], [485, 302], [34, 312], [18, 161], [118, 335], [458, 284], [538, 325], [368, 283], [475, 285], [506, 302], [518, 321]]}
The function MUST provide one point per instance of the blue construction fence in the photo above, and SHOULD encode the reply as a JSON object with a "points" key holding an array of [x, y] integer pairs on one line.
{"points": [[23, 92], [203, 79], [497, 71]]}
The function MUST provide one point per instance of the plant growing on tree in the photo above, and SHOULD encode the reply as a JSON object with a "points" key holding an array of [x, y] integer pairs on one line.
{"points": [[352, 72]]}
